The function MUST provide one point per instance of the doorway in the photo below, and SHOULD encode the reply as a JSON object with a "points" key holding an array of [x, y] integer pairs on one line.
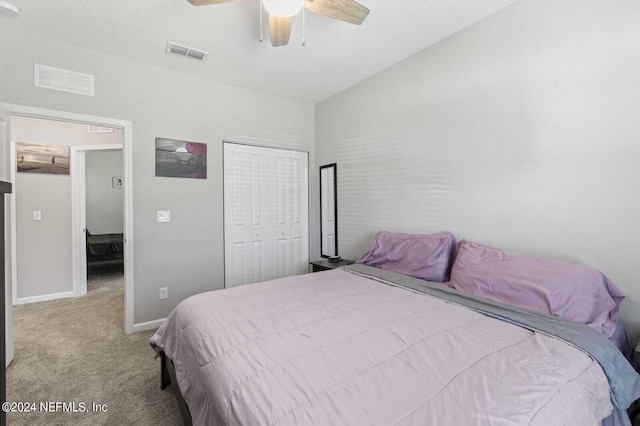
{"points": [[99, 218], [49, 203], [266, 213], [126, 126]]}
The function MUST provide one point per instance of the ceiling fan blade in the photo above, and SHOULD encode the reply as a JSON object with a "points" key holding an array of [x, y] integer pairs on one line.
{"points": [[207, 2], [343, 10], [279, 30]]}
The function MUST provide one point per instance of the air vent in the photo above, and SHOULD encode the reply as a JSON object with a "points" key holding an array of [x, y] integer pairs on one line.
{"points": [[187, 52], [64, 80], [99, 129]]}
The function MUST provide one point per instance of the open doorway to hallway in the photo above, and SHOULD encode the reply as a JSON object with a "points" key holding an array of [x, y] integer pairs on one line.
{"points": [[69, 208]]}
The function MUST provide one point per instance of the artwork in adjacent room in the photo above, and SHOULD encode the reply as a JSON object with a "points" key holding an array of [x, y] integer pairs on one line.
{"points": [[117, 182], [48, 159], [181, 159]]}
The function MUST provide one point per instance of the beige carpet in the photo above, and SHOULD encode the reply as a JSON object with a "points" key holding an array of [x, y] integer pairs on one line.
{"points": [[75, 350], [103, 279]]}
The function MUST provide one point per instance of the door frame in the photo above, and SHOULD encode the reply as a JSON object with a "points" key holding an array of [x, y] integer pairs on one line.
{"points": [[78, 213], [260, 145], [127, 153], [7, 320]]}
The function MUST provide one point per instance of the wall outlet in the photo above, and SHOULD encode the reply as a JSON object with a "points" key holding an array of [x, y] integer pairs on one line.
{"points": [[37, 215], [164, 293], [164, 216]]}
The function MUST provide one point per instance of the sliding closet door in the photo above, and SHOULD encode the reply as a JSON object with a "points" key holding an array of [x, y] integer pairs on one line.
{"points": [[266, 213]]}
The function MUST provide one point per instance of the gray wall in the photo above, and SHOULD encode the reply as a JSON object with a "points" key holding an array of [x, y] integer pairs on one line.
{"points": [[185, 255], [44, 247], [520, 132], [104, 203]]}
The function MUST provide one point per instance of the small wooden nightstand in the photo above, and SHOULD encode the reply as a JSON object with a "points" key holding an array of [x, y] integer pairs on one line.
{"points": [[325, 265]]}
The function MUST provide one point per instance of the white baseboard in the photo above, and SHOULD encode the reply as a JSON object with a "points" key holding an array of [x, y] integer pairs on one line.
{"points": [[44, 297], [149, 325]]}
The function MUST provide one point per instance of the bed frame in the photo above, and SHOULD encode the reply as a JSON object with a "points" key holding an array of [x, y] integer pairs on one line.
{"points": [[109, 257], [167, 377]]}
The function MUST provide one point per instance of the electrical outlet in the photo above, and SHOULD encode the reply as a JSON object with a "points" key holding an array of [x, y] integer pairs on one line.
{"points": [[164, 293], [37, 215], [164, 216]]}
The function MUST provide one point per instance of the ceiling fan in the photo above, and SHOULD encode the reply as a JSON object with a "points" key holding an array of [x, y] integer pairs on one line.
{"points": [[281, 13]]}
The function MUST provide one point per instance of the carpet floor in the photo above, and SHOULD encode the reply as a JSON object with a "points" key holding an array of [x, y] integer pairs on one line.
{"points": [[75, 350], [105, 278]]}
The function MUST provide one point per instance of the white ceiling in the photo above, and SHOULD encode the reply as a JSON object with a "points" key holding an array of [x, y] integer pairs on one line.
{"points": [[337, 56]]}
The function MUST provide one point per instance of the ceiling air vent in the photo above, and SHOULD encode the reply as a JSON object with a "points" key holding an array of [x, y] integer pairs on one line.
{"points": [[188, 52], [64, 80]]}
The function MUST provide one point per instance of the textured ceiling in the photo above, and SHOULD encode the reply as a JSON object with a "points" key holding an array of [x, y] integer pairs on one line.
{"points": [[337, 56]]}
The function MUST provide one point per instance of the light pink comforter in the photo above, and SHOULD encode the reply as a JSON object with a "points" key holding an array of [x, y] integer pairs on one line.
{"points": [[334, 348]]}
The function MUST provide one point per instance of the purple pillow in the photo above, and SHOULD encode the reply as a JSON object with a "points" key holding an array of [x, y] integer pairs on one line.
{"points": [[573, 292], [421, 256]]}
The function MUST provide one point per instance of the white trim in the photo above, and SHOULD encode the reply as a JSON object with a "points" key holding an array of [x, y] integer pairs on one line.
{"points": [[127, 152], [264, 145], [14, 229], [78, 223], [149, 325], [105, 147], [45, 297]]}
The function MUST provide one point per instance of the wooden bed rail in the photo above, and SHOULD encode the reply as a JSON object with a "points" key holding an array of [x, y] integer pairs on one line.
{"points": [[168, 377]]}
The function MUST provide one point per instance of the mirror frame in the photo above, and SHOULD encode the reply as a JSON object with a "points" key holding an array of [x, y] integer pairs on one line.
{"points": [[334, 166]]}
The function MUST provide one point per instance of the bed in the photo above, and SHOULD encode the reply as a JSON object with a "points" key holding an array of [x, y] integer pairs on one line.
{"points": [[104, 249], [368, 346]]}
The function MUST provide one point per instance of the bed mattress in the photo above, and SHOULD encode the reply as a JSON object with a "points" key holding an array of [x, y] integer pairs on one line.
{"points": [[338, 348]]}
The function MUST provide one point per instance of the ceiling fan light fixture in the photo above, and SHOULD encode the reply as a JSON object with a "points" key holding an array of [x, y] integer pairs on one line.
{"points": [[283, 8], [9, 10]]}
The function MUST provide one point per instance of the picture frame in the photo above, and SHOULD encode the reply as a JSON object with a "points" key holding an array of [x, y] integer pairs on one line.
{"points": [[117, 182], [43, 159], [182, 159]]}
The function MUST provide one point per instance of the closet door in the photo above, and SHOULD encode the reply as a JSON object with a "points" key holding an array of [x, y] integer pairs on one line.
{"points": [[266, 213]]}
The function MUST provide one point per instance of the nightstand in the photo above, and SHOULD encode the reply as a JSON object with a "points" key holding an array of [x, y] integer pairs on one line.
{"points": [[325, 265]]}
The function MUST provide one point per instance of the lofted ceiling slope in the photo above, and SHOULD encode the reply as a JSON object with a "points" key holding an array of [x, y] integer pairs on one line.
{"points": [[337, 55]]}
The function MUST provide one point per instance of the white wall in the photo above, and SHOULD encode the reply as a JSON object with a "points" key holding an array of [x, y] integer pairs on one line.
{"points": [[520, 132], [44, 261], [185, 255], [104, 203]]}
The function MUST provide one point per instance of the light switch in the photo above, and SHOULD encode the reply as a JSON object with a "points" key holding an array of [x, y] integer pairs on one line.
{"points": [[164, 293], [37, 215], [164, 216]]}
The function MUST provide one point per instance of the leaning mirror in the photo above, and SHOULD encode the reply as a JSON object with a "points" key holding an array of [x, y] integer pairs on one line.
{"points": [[328, 211]]}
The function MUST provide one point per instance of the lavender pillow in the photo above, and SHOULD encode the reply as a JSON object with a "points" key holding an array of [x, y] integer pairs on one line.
{"points": [[421, 256], [573, 292]]}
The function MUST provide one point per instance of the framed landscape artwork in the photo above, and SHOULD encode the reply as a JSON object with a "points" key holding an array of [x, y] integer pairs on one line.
{"points": [[182, 159], [46, 159]]}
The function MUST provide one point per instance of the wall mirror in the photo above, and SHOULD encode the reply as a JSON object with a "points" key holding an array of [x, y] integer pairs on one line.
{"points": [[328, 210]]}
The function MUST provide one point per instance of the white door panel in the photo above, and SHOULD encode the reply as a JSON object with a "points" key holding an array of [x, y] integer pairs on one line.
{"points": [[300, 212], [266, 213]]}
